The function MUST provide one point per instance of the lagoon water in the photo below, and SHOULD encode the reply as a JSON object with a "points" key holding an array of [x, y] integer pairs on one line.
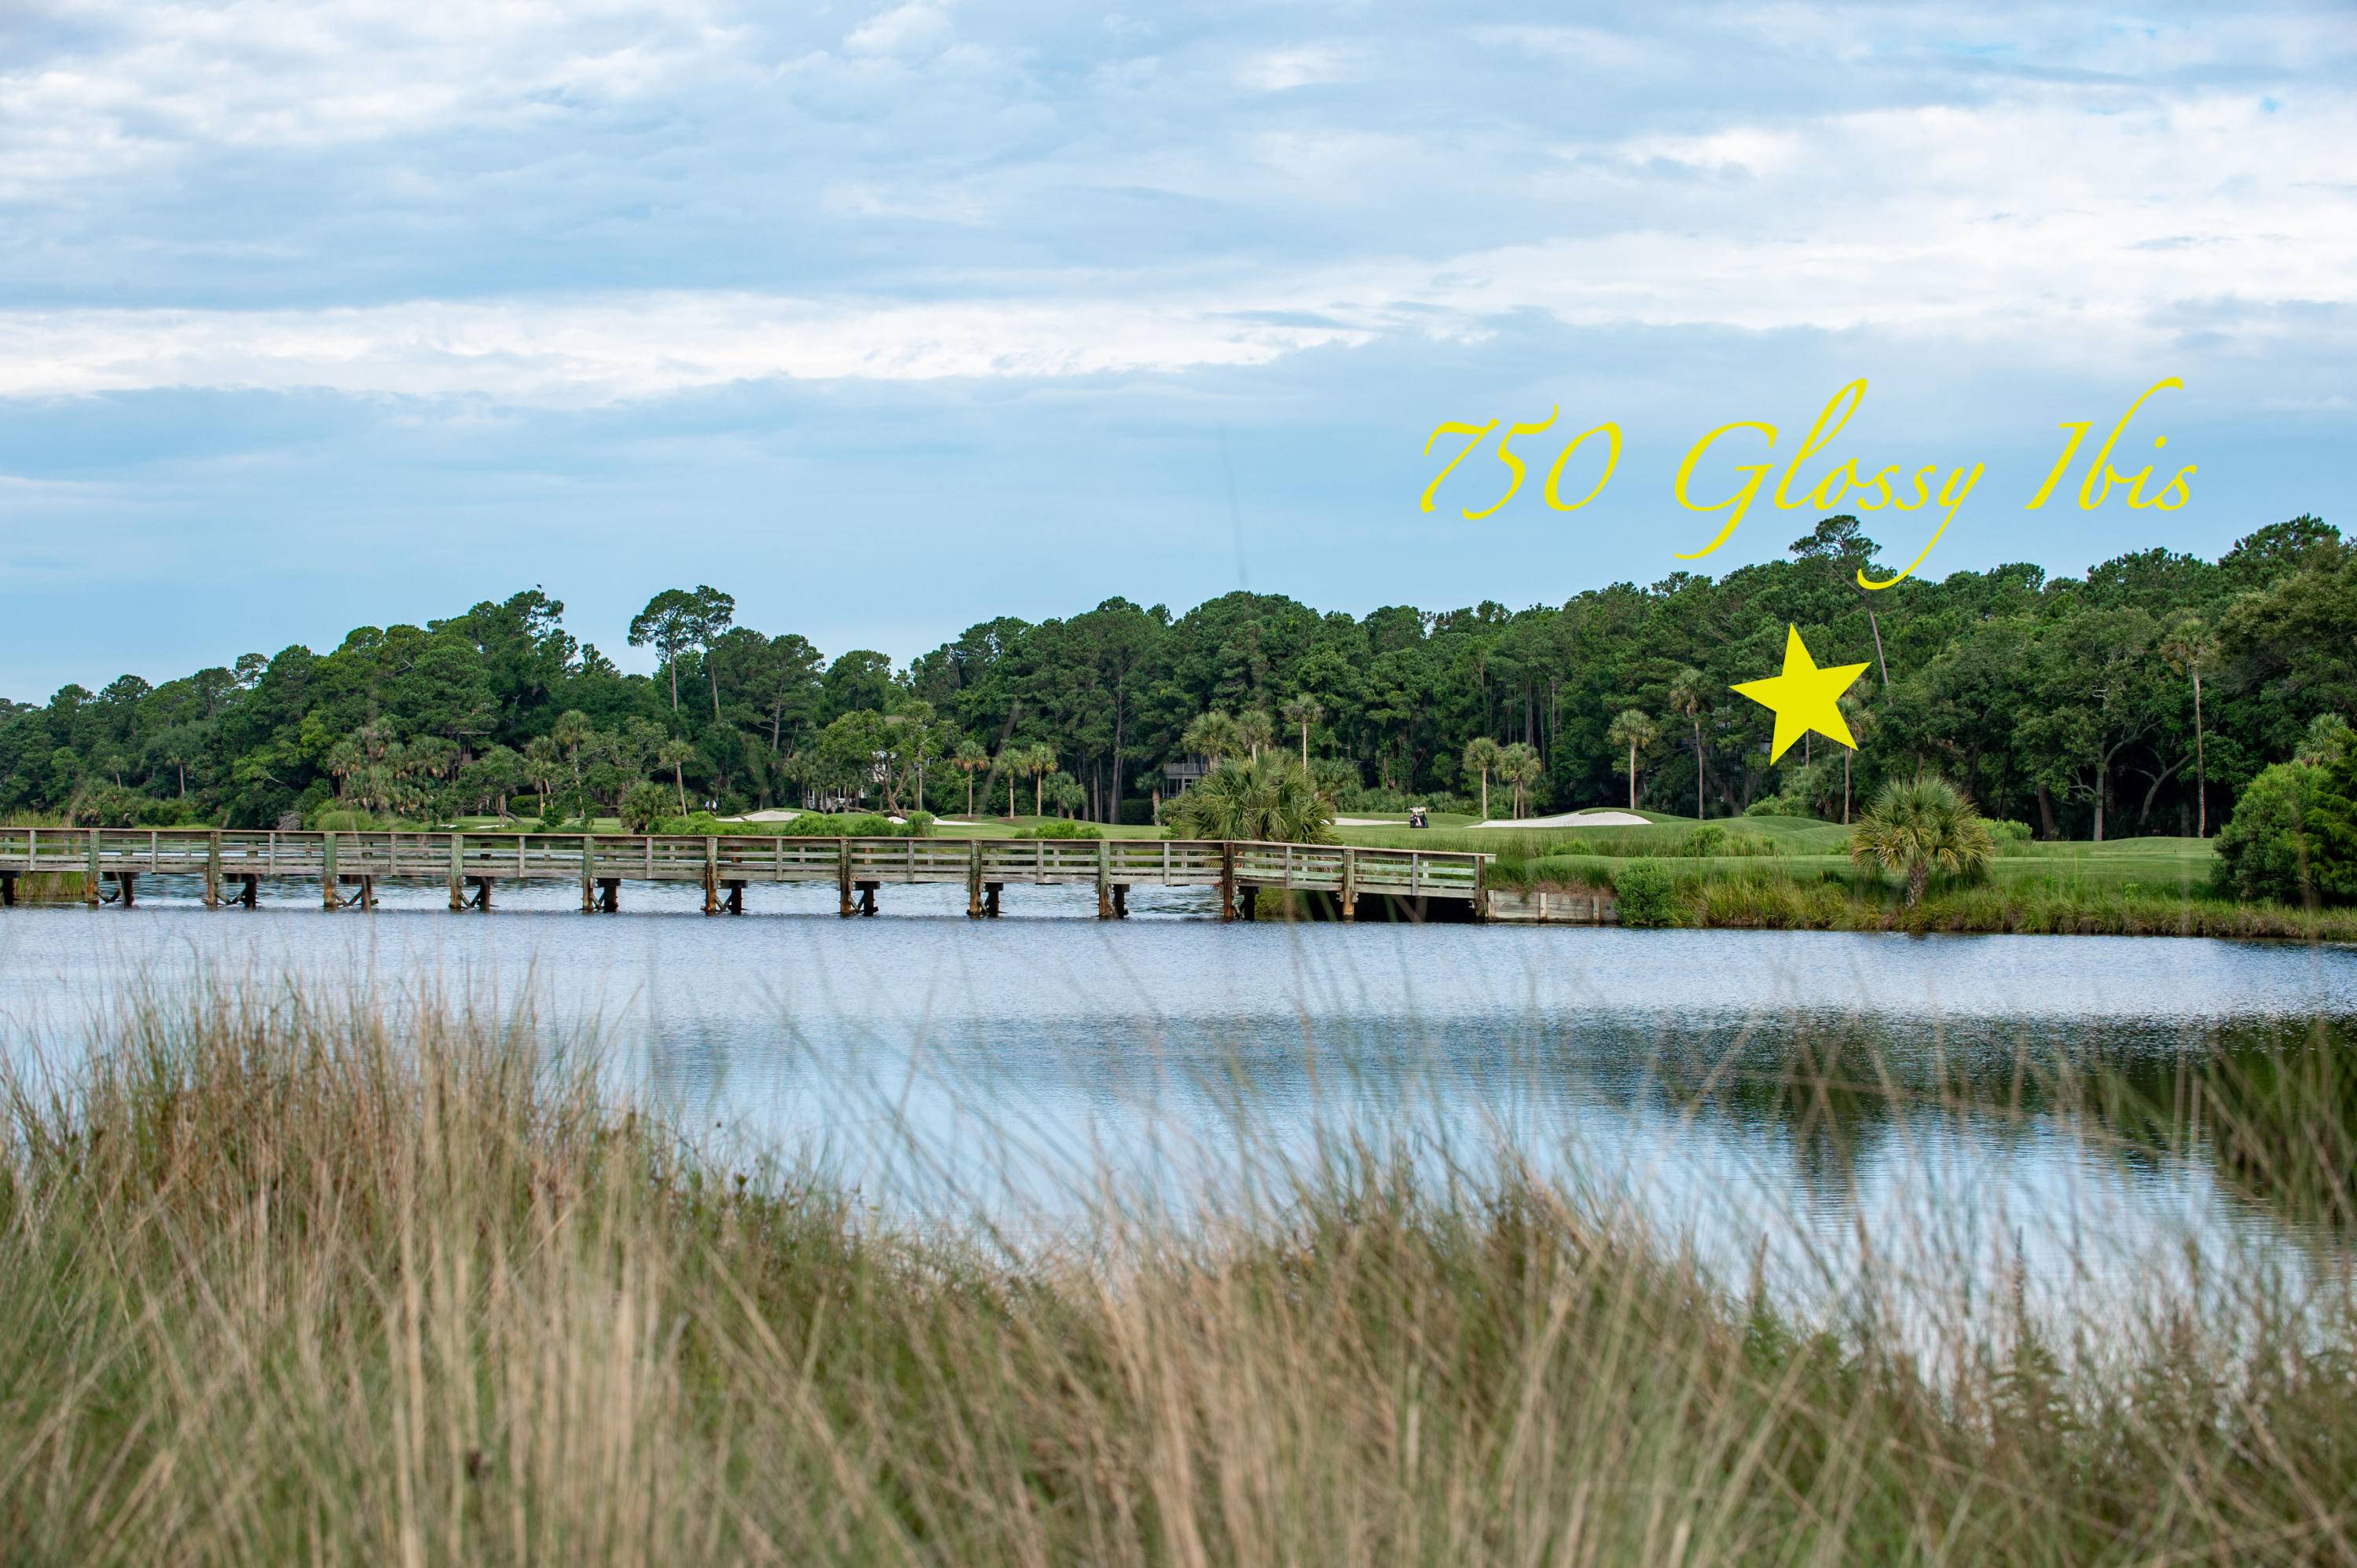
{"points": [[1024, 1069]]}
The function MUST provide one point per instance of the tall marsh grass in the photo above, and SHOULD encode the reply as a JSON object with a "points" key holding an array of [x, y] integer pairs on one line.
{"points": [[295, 1281]]}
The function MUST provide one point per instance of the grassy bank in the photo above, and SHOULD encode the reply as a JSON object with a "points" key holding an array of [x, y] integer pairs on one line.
{"points": [[282, 1285]]}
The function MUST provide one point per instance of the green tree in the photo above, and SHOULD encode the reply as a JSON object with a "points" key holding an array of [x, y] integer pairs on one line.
{"points": [[1521, 766], [1634, 732], [669, 622], [1039, 760], [2267, 848], [969, 759], [1255, 730], [2187, 645], [1300, 713], [710, 613], [1920, 825], [1689, 696], [1267, 798], [1483, 757], [674, 753], [1213, 736]]}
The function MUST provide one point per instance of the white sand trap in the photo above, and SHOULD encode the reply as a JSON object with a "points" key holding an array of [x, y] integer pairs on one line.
{"points": [[774, 814], [1574, 820]]}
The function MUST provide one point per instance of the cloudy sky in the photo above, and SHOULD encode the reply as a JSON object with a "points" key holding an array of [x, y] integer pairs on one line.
{"points": [[892, 319]]}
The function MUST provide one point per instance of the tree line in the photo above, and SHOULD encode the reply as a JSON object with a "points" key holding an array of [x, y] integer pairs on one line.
{"points": [[2141, 698]]}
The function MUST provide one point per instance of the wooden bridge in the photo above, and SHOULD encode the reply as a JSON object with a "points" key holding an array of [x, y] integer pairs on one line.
{"points": [[348, 866]]}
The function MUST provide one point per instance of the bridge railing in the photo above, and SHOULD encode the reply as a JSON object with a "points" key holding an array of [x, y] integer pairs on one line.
{"points": [[433, 856]]}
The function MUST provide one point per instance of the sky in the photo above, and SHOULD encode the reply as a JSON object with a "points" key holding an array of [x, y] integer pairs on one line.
{"points": [[891, 319]]}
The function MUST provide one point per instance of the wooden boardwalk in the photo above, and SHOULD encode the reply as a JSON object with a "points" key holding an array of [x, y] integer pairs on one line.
{"points": [[347, 867]]}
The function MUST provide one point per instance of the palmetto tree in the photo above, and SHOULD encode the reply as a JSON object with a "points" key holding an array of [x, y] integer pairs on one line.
{"points": [[1255, 730], [1481, 756], [1689, 695], [1633, 731], [1918, 826], [1269, 798], [969, 759], [574, 736], [1522, 765], [1301, 711], [540, 766], [2188, 647], [673, 752], [1212, 736], [1039, 760]]}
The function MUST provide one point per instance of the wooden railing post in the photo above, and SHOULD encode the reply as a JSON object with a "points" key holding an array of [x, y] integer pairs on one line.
{"points": [[1227, 880], [589, 875], [1104, 879], [843, 878], [327, 896], [212, 869], [1349, 884], [974, 879], [89, 878], [457, 871], [712, 874]]}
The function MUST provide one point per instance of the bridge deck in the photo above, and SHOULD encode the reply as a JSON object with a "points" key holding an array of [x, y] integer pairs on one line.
{"points": [[481, 859]]}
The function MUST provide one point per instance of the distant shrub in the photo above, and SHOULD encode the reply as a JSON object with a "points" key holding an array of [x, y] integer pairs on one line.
{"points": [[642, 806], [1062, 829], [1706, 840], [1647, 892], [2267, 849], [2006, 831], [1779, 806]]}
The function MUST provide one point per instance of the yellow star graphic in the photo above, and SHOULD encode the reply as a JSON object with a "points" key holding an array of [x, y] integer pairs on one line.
{"points": [[1804, 697]]}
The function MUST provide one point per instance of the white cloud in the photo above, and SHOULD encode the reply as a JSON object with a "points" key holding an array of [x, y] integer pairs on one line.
{"points": [[144, 84], [1303, 66], [565, 353], [904, 27]]}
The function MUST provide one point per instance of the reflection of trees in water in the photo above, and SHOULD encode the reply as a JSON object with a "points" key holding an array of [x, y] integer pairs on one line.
{"points": [[2270, 1106]]}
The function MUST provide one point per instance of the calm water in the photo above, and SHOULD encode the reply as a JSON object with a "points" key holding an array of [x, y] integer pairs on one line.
{"points": [[1021, 1067]]}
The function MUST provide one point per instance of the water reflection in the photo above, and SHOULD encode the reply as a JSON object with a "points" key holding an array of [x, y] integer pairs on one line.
{"points": [[2075, 1117]]}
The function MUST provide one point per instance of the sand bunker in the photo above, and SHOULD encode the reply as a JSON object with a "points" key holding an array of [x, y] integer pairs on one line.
{"points": [[1574, 820]]}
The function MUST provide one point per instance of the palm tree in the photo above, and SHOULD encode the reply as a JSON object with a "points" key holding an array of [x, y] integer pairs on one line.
{"points": [[1635, 730], [1039, 759], [1254, 730], [969, 759], [540, 766], [572, 734], [1688, 697], [1302, 711], [1482, 755], [1521, 766], [1212, 735], [2188, 646], [1268, 799], [1861, 722], [1918, 826], [674, 753]]}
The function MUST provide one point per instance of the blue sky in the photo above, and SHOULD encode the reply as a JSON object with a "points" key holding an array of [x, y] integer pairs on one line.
{"points": [[890, 320]]}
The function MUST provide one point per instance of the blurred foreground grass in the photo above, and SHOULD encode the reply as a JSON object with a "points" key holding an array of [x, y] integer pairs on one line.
{"points": [[285, 1282]]}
